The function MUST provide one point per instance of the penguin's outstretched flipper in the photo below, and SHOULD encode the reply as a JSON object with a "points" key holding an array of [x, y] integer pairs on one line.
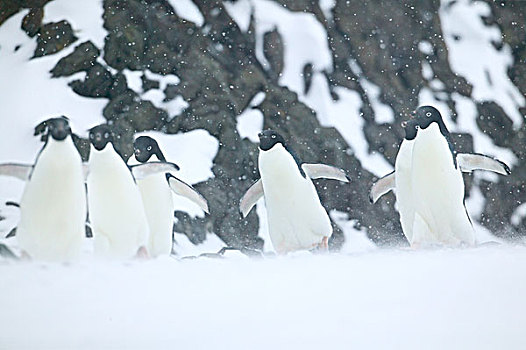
{"points": [[249, 199], [183, 189], [20, 171], [474, 161], [318, 171], [382, 186], [141, 171]]}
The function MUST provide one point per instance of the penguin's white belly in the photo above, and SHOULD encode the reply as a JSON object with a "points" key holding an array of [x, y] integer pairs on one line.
{"points": [[438, 192], [403, 187], [158, 206], [296, 218], [116, 211], [53, 206]]}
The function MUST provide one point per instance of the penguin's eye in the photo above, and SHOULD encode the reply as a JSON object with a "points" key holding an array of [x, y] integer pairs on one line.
{"points": [[149, 148], [273, 136], [428, 114], [91, 136], [106, 135]]}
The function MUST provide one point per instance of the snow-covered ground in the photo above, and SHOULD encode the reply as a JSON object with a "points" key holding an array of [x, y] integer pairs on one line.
{"points": [[449, 299]]}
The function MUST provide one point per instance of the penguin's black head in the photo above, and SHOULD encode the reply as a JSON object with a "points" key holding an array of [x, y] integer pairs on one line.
{"points": [[145, 147], [99, 136], [426, 115], [410, 128], [58, 128], [421, 119], [268, 138]]}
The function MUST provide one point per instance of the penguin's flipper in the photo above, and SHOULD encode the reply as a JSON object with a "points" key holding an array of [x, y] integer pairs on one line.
{"points": [[141, 171], [249, 199], [317, 171], [474, 161], [382, 186], [183, 189], [20, 171]]}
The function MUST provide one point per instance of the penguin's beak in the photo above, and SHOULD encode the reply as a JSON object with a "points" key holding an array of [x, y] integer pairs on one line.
{"points": [[98, 137]]}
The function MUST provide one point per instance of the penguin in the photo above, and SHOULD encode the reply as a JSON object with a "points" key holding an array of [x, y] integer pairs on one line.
{"points": [[429, 184], [296, 217], [156, 194], [118, 220], [53, 204]]}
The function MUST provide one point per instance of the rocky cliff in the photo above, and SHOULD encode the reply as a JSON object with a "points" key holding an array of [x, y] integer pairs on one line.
{"points": [[335, 78]]}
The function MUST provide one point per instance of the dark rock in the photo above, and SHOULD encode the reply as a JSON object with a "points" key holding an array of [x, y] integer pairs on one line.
{"points": [[141, 115], [32, 21], [119, 86], [97, 83], [273, 51], [148, 84], [9, 8], [53, 37], [82, 59]]}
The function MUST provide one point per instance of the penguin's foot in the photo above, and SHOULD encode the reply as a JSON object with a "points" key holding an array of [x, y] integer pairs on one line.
{"points": [[24, 256], [142, 253], [323, 246]]}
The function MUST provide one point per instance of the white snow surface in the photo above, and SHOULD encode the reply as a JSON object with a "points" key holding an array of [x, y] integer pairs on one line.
{"points": [[454, 299]]}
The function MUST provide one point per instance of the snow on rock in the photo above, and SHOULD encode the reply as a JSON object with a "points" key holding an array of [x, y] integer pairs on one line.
{"points": [[301, 32], [473, 55], [344, 115], [382, 112], [454, 299], [188, 10], [250, 122], [240, 11], [327, 7], [85, 18], [23, 110], [157, 96]]}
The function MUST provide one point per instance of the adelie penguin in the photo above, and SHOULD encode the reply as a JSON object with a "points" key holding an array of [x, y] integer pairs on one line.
{"points": [[296, 218], [156, 193], [428, 183], [53, 205], [118, 220]]}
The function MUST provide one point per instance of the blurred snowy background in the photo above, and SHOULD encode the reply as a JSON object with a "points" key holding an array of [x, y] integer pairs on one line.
{"points": [[336, 78]]}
